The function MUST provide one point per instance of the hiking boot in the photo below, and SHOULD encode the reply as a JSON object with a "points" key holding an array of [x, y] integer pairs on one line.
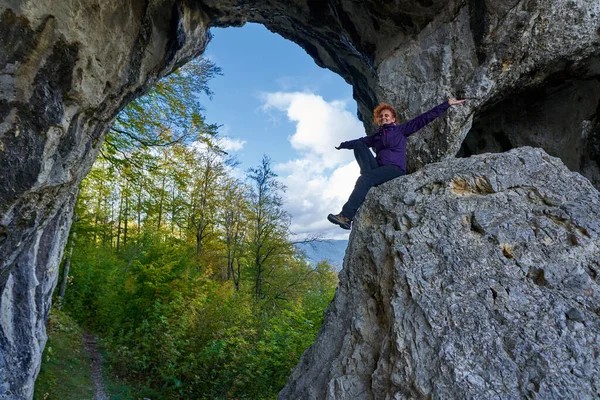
{"points": [[340, 220]]}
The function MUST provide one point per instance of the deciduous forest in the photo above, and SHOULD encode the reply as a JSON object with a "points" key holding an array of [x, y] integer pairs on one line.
{"points": [[187, 273]]}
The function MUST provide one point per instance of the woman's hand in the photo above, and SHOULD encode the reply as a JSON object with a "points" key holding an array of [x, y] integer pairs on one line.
{"points": [[452, 101]]}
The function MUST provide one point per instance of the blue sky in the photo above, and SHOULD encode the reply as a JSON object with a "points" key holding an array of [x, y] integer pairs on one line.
{"points": [[256, 61], [273, 99]]}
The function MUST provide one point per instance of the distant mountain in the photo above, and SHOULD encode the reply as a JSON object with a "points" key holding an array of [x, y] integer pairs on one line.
{"points": [[331, 250]]}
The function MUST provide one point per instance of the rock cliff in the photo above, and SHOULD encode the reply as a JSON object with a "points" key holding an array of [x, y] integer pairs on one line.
{"points": [[474, 278], [529, 67]]}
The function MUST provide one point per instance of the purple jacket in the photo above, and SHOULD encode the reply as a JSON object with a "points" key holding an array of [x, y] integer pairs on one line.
{"points": [[389, 141]]}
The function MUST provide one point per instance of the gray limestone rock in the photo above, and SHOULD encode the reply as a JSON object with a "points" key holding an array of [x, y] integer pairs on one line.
{"points": [[473, 278], [530, 69], [66, 69]]}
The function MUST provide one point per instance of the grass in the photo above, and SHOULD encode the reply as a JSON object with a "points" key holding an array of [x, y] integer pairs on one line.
{"points": [[65, 372]]}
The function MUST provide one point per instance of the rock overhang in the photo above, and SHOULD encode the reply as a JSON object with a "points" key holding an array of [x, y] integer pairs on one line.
{"points": [[414, 54], [67, 68]]}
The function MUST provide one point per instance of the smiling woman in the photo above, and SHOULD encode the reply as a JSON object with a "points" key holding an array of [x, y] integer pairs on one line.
{"points": [[389, 143]]}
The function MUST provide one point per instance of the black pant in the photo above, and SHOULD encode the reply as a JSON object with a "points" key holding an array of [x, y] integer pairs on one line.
{"points": [[371, 174]]}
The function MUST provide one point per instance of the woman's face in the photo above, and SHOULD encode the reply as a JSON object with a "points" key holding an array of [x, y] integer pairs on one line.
{"points": [[386, 117]]}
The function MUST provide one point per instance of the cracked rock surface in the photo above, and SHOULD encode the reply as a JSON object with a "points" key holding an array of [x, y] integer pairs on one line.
{"points": [[530, 69], [473, 278]]}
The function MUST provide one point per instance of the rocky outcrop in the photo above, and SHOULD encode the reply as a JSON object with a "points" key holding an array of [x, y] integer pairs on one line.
{"points": [[521, 64], [473, 278], [67, 67]]}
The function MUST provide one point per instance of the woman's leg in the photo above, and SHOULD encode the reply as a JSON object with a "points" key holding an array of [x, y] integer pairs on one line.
{"points": [[364, 158], [365, 182]]}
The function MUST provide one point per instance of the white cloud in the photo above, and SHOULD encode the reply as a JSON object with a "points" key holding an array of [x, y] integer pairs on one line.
{"points": [[224, 142], [229, 144], [320, 125], [311, 196], [236, 173], [320, 180], [224, 130]]}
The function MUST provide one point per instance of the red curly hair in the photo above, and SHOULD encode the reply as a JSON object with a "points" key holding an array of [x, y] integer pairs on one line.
{"points": [[379, 109]]}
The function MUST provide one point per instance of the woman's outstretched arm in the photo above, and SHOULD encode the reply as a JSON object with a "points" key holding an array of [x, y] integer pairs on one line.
{"points": [[419, 122]]}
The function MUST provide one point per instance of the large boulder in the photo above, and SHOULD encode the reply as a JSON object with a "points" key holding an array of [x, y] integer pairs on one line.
{"points": [[67, 67], [473, 278]]}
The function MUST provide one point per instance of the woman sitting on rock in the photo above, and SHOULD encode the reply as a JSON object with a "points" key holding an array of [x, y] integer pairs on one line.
{"points": [[389, 142]]}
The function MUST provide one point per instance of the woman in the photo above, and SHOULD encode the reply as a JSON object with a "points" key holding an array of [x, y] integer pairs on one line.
{"points": [[389, 142]]}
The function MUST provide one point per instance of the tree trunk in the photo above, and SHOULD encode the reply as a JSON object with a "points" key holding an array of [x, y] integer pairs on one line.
{"points": [[105, 225], [160, 204], [199, 230], [66, 268], [239, 272], [173, 211], [97, 217], [139, 214], [119, 216], [125, 219], [258, 281], [229, 274]]}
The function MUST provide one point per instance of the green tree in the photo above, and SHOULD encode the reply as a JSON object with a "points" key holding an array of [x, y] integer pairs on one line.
{"points": [[158, 203], [269, 224], [169, 113], [233, 219], [208, 168]]}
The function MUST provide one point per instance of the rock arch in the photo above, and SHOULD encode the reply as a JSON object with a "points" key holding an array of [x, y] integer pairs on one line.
{"points": [[67, 67]]}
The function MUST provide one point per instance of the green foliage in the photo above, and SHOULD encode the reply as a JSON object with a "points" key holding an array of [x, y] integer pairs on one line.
{"points": [[186, 273], [65, 372], [89, 295], [169, 113], [189, 335], [267, 246]]}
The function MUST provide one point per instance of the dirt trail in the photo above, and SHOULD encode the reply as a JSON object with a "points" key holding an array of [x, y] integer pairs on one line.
{"points": [[91, 345]]}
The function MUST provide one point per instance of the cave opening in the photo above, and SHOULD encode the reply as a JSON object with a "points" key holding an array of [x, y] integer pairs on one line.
{"points": [[561, 115], [262, 107], [272, 99]]}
